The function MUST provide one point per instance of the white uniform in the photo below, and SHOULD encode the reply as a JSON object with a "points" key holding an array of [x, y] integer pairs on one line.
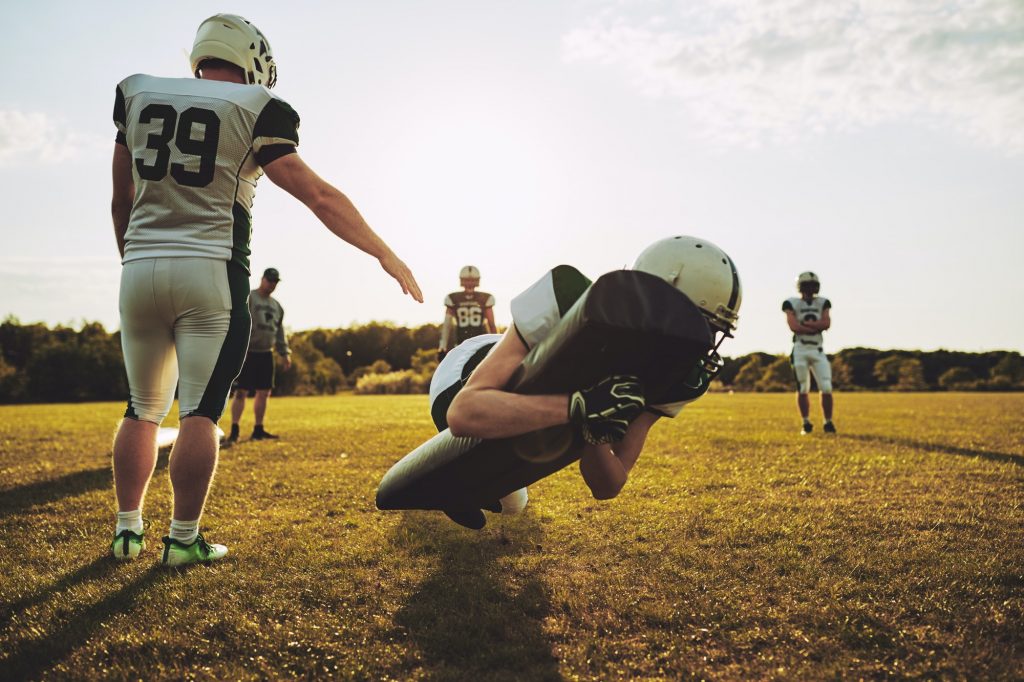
{"points": [[197, 148], [808, 350], [535, 314]]}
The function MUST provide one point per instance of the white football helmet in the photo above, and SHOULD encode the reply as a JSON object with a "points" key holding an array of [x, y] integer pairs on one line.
{"points": [[471, 273], [809, 280], [707, 276], [237, 41]]}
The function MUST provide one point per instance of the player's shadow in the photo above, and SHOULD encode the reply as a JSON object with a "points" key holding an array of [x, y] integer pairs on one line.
{"points": [[19, 498], [476, 617], [1011, 458], [31, 658]]}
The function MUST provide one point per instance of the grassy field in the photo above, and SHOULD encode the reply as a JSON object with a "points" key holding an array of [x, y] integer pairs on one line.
{"points": [[738, 550]]}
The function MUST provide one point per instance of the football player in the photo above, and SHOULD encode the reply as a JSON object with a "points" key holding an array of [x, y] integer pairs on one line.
{"points": [[467, 392], [186, 160], [808, 315], [468, 313]]}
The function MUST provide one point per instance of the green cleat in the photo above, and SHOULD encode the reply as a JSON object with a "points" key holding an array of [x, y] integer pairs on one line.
{"points": [[200, 551], [127, 545]]}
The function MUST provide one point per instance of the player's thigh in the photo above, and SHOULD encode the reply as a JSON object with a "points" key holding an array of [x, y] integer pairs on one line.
{"points": [[801, 370], [212, 333], [822, 370], [147, 341]]}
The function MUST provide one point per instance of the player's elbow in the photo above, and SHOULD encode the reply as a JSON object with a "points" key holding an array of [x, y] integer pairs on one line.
{"points": [[606, 490], [461, 417]]}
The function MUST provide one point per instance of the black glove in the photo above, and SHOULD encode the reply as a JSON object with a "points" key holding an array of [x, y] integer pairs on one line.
{"points": [[603, 411]]}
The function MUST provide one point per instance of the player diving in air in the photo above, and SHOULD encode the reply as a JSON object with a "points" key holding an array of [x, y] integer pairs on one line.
{"points": [[808, 315], [467, 392], [186, 160], [468, 313]]}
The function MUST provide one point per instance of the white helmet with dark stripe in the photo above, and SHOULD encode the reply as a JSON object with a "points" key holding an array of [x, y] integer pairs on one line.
{"points": [[706, 274], [808, 280], [235, 40]]}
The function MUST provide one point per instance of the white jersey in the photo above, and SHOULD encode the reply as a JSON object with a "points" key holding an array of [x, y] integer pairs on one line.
{"points": [[197, 148], [807, 311]]}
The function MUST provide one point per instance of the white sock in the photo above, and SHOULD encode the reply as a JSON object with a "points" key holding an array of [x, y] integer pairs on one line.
{"points": [[129, 520], [184, 532]]}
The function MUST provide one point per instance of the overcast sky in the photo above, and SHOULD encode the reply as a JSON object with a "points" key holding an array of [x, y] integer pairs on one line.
{"points": [[879, 143]]}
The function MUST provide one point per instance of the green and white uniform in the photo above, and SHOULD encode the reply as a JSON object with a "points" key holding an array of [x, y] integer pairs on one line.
{"points": [[808, 354], [535, 313], [197, 147]]}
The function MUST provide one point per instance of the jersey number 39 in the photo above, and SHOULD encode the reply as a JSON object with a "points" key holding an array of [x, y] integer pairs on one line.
{"points": [[204, 148]]}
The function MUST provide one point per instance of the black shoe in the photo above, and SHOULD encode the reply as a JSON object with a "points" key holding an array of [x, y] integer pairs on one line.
{"points": [[470, 519], [806, 428], [259, 434], [233, 436], [829, 427]]}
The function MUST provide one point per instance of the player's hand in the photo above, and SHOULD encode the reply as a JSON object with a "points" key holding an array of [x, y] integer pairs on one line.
{"points": [[603, 411], [393, 265], [287, 361]]}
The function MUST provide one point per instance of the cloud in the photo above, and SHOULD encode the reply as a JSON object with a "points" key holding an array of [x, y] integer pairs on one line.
{"points": [[39, 138], [770, 71]]}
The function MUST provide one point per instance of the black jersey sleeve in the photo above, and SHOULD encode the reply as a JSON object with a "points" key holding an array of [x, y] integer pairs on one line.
{"points": [[786, 305], [276, 131], [120, 116]]}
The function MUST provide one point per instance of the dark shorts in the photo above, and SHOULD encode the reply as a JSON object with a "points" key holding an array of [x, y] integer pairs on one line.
{"points": [[257, 373]]}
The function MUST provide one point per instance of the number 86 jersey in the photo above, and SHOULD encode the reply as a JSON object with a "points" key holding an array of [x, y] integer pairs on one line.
{"points": [[197, 147]]}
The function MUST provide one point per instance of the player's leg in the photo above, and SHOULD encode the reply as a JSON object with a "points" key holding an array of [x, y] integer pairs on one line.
{"points": [[259, 409], [212, 332], [823, 375], [150, 364], [237, 409], [803, 381]]}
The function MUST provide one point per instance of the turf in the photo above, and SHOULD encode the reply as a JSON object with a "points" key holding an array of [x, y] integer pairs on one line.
{"points": [[738, 550]]}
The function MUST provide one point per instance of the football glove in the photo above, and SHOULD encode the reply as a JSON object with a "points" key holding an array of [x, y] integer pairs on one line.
{"points": [[603, 411]]}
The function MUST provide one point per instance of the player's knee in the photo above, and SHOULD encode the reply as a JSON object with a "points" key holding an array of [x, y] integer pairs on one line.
{"points": [[825, 386]]}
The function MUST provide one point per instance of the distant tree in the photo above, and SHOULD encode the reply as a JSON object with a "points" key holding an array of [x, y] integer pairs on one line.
{"points": [[749, 374], [957, 378], [311, 373], [1009, 370], [778, 376], [911, 376], [842, 373], [887, 370]]}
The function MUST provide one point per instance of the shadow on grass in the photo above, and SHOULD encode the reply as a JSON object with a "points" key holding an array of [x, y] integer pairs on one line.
{"points": [[477, 616], [18, 499], [1017, 460], [31, 658], [99, 568]]}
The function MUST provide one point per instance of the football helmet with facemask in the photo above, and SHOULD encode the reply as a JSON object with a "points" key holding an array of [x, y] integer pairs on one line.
{"points": [[237, 41], [469, 276], [708, 277], [808, 281]]}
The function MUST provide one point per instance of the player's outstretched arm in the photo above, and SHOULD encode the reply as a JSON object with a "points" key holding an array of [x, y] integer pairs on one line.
{"points": [[339, 215], [484, 409], [123, 195], [605, 468]]}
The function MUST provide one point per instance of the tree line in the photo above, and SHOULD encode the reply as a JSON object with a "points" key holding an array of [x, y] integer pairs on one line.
{"points": [[40, 364]]}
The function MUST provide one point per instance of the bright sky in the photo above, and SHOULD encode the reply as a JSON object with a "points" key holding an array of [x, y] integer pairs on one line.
{"points": [[879, 143]]}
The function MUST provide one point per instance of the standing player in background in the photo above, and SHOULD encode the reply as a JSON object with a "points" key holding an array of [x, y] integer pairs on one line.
{"points": [[808, 316], [257, 376], [468, 313], [186, 160]]}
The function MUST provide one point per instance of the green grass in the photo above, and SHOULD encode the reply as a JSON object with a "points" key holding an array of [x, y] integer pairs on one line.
{"points": [[738, 550]]}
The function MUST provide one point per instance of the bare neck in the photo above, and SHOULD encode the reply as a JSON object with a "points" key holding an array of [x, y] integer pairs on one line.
{"points": [[218, 73]]}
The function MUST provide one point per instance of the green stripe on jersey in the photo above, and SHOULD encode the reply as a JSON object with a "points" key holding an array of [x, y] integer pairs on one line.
{"points": [[241, 235], [568, 284]]}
